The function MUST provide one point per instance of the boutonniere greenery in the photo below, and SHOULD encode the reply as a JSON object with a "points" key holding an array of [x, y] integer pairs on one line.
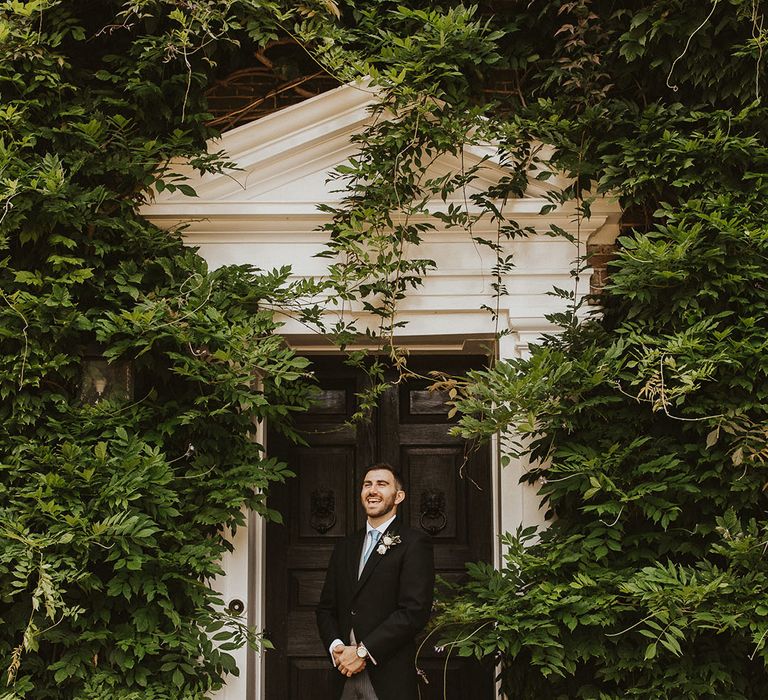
{"points": [[387, 540]]}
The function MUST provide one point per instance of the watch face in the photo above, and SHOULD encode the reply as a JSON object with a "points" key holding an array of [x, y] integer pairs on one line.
{"points": [[362, 652]]}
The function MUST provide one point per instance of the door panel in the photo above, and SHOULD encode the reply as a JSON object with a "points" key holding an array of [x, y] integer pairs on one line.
{"points": [[448, 496], [323, 491]]}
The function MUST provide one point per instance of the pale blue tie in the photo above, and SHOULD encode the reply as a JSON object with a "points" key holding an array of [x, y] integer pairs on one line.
{"points": [[373, 538]]}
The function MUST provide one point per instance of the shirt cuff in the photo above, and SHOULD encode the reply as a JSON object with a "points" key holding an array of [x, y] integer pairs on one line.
{"points": [[334, 643], [370, 656]]}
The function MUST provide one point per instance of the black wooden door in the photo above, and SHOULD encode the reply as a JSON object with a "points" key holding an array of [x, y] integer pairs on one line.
{"points": [[448, 494]]}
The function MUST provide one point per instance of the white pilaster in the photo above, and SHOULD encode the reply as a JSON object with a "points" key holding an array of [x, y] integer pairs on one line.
{"points": [[519, 502], [234, 586]]}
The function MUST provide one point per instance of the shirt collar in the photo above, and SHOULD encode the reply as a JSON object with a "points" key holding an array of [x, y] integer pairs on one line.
{"points": [[381, 528]]}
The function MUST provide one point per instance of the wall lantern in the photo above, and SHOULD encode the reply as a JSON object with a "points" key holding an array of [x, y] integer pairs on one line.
{"points": [[105, 380]]}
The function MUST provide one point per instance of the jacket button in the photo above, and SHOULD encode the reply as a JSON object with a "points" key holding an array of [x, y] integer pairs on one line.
{"points": [[354, 612]]}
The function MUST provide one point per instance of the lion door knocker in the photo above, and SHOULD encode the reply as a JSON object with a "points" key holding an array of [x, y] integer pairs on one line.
{"points": [[432, 517], [322, 510]]}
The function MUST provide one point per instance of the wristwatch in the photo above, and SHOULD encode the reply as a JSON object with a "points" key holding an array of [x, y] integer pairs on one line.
{"points": [[362, 652]]}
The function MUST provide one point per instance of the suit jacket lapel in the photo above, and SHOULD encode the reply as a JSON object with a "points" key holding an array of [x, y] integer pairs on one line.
{"points": [[353, 554]]}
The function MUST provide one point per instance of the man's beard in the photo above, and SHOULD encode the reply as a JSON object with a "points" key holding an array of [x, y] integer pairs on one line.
{"points": [[376, 510]]}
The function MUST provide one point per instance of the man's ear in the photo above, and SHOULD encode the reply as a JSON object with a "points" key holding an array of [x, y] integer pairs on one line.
{"points": [[399, 497]]}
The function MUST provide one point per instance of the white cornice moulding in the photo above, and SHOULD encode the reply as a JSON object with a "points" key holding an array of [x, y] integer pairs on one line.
{"points": [[240, 222], [468, 323], [193, 206], [290, 126]]}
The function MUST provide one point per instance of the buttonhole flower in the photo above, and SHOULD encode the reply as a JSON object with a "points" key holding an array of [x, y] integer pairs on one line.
{"points": [[387, 540]]}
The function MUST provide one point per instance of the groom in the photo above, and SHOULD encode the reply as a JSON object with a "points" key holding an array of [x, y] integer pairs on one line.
{"points": [[377, 597]]}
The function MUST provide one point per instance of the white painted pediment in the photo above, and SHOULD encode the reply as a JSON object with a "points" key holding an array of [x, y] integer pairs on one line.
{"points": [[290, 157]]}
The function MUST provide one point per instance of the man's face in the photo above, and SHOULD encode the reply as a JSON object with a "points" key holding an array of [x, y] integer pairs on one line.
{"points": [[380, 495]]}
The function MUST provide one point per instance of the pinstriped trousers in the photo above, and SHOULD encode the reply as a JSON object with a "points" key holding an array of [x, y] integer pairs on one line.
{"points": [[359, 686]]}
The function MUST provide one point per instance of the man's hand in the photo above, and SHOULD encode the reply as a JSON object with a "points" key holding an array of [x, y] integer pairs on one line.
{"points": [[347, 660]]}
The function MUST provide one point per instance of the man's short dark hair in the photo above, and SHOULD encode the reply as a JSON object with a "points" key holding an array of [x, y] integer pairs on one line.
{"points": [[398, 477]]}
